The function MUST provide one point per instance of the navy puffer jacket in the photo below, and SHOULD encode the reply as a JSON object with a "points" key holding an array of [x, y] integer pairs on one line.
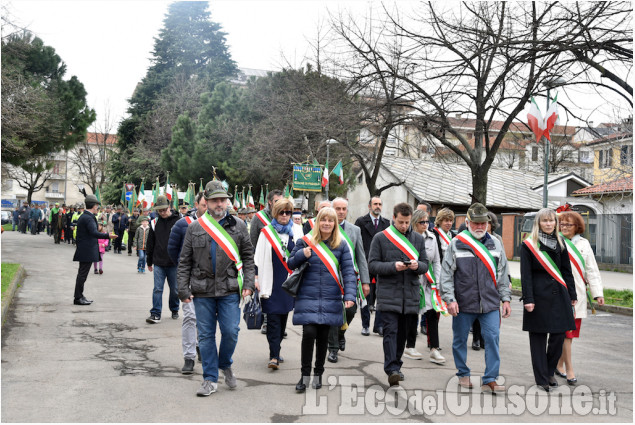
{"points": [[319, 299]]}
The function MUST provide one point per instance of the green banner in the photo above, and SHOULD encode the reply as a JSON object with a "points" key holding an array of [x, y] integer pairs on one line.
{"points": [[307, 177]]}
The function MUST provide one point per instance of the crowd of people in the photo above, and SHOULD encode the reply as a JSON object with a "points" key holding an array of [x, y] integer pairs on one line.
{"points": [[407, 270]]}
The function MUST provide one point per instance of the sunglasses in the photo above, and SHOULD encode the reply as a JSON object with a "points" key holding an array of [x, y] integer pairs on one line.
{"points": [[423, 222], [286, 212]]}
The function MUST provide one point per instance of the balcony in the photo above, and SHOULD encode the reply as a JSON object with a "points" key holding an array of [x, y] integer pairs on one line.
{"points": [[54, 195], [57, 177]]}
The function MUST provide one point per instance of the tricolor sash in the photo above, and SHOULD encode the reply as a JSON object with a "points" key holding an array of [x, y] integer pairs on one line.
{"points": [[351, 248], [262, 215], [188, 220], [278, 247], [576, 257], [444, 236], [480, 251], [438, 304], [401, 242], [312, 223], [545, 261], [327, 257], [226, 242]]}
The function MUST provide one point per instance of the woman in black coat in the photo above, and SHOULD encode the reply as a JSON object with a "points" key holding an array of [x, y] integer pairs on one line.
{"points": [[548, 297]]}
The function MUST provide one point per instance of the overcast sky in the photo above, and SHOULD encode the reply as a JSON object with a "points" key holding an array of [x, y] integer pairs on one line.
{"points": [[107, 44]]}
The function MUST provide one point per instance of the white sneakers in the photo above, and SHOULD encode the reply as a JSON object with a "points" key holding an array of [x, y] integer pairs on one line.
{"points": [[412, 353], [436, 357]]}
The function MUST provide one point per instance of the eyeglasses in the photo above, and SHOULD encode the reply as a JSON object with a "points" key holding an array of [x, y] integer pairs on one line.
{"points": [[423, 222], [286, 212], [567, 225]]}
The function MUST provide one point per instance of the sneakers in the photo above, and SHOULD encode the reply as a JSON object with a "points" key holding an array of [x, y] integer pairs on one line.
{"points": [[96, 272], [175, 315], [207, 388], [154, 319], [230, 379], [436, 357], [412, 353], [188, 367]]}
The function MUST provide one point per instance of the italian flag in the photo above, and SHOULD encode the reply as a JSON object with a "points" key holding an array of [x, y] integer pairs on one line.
{"points": [[535, 120], [141, 199], [168, 188], [236, 202], [261, 201], [250, 200], [339, 172], [325, 176], [551, 117]]}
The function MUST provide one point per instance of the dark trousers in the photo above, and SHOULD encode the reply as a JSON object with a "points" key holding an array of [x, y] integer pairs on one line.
{"points": [[57, 232], [318, 336], [34, 227], [82, 274], [411, 330], [68, 234], [130, 238], [394, 325], [372, 294], [476, 333], [118, 241], [336, 334], [546, 350], [275, 332], [432, 326]]}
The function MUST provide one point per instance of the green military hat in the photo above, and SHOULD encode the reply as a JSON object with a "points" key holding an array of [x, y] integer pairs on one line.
{"points": [[214, 190], [91, 199], [162, 202], [477, 213]]}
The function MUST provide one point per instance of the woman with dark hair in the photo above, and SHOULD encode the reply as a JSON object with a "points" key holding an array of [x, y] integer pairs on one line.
{"points": [[328, 286], [585, 271], [548, 295], [272, 252]]}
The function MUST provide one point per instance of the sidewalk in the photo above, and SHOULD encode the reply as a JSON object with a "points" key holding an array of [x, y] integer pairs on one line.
{"points": [[104, 363], [611, 280]]}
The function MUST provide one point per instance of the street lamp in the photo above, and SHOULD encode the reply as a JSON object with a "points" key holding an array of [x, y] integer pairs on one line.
{"points": [[549, 84], [328, 143]]}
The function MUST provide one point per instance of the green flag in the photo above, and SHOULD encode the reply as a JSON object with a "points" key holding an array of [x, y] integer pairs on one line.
{"points": [[339, 172], [175, 197], [97, 195], [286, 191], [291, 191], [123, 193], [261, 201]]}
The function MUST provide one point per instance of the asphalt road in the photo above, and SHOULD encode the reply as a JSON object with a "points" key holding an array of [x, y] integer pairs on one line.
{"points": [[104, 363]]}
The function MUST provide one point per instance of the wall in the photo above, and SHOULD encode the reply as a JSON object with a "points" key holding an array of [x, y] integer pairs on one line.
{"points": [[358, 197]]}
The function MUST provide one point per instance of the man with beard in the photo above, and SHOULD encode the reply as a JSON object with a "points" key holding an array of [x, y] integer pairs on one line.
{"points": [[474, 280]]}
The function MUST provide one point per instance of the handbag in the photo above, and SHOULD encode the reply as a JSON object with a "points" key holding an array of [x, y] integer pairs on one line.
{"points": [[252, 313], [292, 284]]}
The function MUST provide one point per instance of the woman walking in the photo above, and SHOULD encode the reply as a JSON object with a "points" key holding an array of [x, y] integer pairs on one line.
{"points": [[328, 286], [275, 242], [548, 295]]}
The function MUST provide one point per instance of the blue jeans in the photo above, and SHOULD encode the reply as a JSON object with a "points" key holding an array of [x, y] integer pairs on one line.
{"points": [[160, 274], [490, 330], [226, 311], [141, 264]]}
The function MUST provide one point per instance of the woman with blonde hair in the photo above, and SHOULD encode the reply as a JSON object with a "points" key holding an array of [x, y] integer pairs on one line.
{"points": [[328, 286], [548, 295], [442, 226]]}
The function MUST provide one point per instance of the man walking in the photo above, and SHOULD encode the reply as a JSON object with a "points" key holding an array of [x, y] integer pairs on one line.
{"points": [[369, 225], [120, 224], [353, 238], [87, 248], [133, 224], [397, 257], [24, 217], [473, 283], [157, 257], [216, 268], [55, 219]]}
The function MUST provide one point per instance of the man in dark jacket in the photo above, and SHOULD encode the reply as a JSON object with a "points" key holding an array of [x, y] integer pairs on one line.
{"points": [[157, 255], [87, 248], [175, 244], [397, 257], [369, 225], [217, 261], [24, 217], [133, 224], [467, 286], [68, 226], [120, 222]]}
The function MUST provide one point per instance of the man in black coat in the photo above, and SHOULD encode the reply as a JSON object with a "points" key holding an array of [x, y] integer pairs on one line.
{"points": [[371, 224], [87, 248], [398, 268]]}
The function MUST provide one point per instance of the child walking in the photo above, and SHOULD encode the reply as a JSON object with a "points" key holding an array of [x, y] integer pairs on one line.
{"points": [[140, 243], [102, 250]]}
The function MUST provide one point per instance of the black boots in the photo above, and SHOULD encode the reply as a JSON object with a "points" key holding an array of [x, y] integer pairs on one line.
{"points": [[317, 382], [301, 385]]}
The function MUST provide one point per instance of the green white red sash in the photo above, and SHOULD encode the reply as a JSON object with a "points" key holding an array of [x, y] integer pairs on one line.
{"points": [[189, 219], [545, 261], [327, 257], [351, 248], [262, 215], [480, 251], [401, 242], [438, 304], [312, 223], [226, 242], [278, 247], [444, 236], [576, 257]]}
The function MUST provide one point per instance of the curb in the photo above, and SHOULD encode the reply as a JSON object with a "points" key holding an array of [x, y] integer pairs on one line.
{"points": [[627, 311], [18, 279]]}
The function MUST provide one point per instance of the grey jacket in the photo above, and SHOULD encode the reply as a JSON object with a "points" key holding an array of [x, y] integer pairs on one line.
{"points": [[397, 292], [465, 279], [355, 235], [195, 273]]}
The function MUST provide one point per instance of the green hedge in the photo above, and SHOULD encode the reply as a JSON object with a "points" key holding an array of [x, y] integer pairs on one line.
{"points": [[622, 298]]}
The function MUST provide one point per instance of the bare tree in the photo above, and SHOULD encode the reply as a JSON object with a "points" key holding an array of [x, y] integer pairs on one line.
{"points": [[31, 176]]}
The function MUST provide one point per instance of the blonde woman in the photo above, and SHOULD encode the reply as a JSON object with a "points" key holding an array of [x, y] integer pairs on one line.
{"points": [[548, 295], [442, 226], [329, 279]]}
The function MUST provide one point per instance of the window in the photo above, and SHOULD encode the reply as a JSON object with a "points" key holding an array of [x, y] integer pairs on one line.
{"points": [[54, 187], [585, 157], [605, 159], [390, 152], [626, 155], [534, 153], [391, 141]]}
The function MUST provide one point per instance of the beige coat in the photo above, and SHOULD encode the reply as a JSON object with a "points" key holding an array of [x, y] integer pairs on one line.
{"points": [[592, 276]]}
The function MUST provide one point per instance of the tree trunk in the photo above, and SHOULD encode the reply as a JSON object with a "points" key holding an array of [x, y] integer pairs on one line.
{"points": [[479, 185]]}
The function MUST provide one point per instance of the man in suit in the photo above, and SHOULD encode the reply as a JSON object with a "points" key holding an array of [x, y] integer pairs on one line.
{"points": [[351, 233], [87, 249], [370, 225]]}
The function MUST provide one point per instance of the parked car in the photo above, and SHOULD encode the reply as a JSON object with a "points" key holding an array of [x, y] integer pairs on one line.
{"points": [[6, 217]]}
